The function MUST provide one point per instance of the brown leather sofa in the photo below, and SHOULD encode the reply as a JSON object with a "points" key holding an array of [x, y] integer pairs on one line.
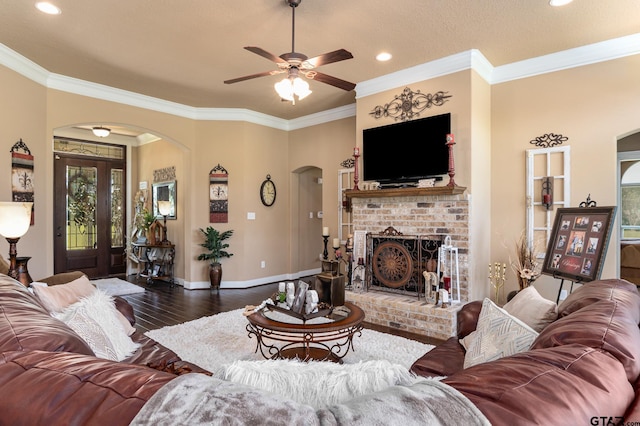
{"points": [[48, 374], [583, 369]]}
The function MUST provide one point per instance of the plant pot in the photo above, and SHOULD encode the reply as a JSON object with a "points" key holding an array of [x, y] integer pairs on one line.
{"points": [[215, 275]]}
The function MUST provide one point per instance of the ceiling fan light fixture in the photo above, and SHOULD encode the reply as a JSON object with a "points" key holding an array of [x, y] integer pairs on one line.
{"points": [[101, 132], [288, 87], [284, 89]]}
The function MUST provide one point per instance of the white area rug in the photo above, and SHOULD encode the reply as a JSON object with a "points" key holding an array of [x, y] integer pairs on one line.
{"points": [[117, 287], [221, 339]]}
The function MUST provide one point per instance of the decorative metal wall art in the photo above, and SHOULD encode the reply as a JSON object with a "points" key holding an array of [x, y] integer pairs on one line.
{"points": [[164, 175], [218, 195], [409, 104], [22, 174], [549, 140], [348, 163]]}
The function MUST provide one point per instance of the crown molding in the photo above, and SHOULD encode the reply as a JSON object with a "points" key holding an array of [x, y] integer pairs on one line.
{"points": [[572, 58], [471, 59], [23, 66], [322, 117], [428, 70]]}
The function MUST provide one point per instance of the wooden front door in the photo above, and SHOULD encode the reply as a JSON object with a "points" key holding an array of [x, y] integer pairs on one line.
{"points": [[89, 212]]}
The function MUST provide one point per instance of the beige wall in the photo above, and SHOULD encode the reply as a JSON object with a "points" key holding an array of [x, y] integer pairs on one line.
{"points": [[593, 106], [24, 116]]}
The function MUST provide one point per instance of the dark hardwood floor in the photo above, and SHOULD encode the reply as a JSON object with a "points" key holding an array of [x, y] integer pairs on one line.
{"points": [[162, 305]]}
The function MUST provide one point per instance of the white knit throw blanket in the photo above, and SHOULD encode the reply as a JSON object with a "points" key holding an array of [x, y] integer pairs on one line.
{"points": [[196, 399]]}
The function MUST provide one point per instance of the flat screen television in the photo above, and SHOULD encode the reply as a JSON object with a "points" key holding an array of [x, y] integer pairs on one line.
{"points": [[406, 152]]}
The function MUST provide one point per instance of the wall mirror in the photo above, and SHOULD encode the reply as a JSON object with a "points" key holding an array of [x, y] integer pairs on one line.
{"points": [[164, 191]]}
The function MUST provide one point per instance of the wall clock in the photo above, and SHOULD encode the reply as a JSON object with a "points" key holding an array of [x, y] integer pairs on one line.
{"points": [[268, 192]]}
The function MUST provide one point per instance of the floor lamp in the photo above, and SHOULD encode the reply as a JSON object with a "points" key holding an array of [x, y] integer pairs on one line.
{"points": [[15, 219]]}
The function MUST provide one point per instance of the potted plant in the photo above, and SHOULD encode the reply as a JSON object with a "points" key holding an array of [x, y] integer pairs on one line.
{"points": [[216, 249]]}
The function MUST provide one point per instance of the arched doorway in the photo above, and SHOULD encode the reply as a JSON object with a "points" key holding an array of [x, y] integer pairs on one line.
{"points": [[629, 206], [146, 152], [307, 219]]}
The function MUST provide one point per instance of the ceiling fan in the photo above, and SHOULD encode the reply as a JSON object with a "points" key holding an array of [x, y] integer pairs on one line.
{"points": [[296, 64]]}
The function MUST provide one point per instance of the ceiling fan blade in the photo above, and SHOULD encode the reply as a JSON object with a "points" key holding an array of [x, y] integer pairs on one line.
{"points": [[327, 58], [249, 77], [334, 81], [265, 54]]}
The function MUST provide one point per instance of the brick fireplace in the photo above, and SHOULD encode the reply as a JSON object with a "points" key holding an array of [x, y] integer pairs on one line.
{"points": [[428, 213]]}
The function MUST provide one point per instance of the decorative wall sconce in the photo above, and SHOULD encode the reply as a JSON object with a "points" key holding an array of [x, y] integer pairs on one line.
{"points": [[547, 192]]}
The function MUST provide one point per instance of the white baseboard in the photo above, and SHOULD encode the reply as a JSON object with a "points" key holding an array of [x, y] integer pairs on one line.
{"points": [[198, 285]]}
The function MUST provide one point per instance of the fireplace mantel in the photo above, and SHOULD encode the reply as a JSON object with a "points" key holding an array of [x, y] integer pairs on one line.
{"points": [[404, 192]]}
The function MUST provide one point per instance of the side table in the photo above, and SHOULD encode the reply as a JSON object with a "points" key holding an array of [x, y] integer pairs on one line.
{"points": [[155, 261]]}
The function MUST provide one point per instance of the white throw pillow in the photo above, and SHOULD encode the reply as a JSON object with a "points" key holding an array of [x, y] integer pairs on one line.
{"points": [[498, 335], [319, 384], [95, 319], [533, 309]]}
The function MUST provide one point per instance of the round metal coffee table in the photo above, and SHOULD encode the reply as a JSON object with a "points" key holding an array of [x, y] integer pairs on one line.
{"points": [[322, 339]]}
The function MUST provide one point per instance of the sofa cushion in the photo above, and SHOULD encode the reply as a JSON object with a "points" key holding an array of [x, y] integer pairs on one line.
{"points": [[49, 388], [498, 335], [25, 325], [4, 266], [57, 298], [533, 309], [563, 385], [96, 319], [605, 325]]}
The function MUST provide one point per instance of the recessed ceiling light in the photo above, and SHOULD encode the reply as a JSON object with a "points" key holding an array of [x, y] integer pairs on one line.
{"points": [[559, 2], [48, 8], [384, 56]]}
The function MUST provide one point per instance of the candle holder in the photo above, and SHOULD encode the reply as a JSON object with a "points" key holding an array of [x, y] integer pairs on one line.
{"points": [[325, 253], [497, 278], [356, 179], [452, 170]]}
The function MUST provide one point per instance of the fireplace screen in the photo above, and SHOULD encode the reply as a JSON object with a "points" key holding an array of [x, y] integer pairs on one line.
{"points": [[395, 262]]}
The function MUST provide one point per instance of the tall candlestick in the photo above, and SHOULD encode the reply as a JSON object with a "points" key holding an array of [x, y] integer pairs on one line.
{"points": [[325, 253], [452, 170], [356, 178]]}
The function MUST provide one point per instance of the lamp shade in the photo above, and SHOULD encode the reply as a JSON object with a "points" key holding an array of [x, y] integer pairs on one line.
{"points": [[15, 219], [164, 208]]}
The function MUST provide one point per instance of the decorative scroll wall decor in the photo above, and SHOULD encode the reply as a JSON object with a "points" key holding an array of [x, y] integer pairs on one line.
{"points": [[22, 174], [549, 140], [409, 104], [218, 195], [348, 163], [164, 175]]}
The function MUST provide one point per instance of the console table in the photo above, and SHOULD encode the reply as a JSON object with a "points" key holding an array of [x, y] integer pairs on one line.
{"points": [[155, 261]]}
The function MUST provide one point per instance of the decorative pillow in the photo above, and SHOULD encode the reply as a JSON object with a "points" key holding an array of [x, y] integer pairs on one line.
{"points": [[57, 298], [319, 384], [4, 266], [532, 309], [498, 335], [95, 319]]}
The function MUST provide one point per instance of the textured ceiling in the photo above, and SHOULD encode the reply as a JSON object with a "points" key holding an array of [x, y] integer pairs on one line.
{"points": [[182, 51]]}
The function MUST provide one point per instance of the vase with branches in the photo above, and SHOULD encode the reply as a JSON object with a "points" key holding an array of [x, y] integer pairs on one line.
{"points": [[526, 265]]}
